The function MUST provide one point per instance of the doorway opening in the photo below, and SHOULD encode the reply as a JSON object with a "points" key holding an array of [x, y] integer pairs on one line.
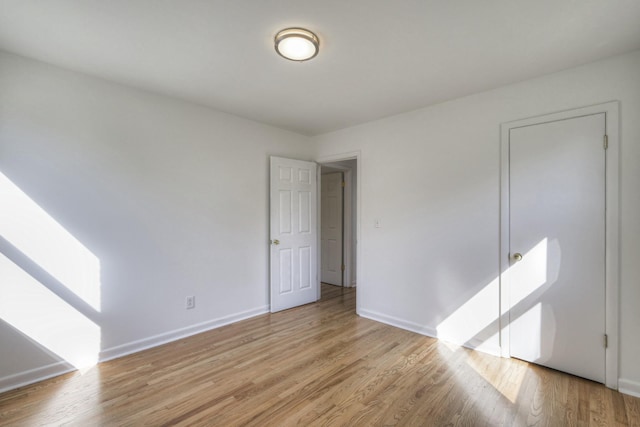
{"points": [[338, 213]]}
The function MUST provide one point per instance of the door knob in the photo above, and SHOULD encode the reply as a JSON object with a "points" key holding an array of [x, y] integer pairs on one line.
{"points": [[275, 242], [517, 256]]}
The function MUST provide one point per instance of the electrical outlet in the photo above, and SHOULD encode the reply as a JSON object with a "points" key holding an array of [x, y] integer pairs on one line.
{"points": [[191, 302]]}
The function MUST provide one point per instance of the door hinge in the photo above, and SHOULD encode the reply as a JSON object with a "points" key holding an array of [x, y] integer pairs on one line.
{"points": [[606, 341], [343, 184], [343, 267], [606, 142]]}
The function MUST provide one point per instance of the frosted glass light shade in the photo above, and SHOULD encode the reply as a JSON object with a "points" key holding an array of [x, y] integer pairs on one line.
{"points": [[297, 44]]}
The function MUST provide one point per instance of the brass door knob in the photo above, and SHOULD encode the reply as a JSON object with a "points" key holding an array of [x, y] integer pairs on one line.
{"points": [[275, 242], [517, 256]]}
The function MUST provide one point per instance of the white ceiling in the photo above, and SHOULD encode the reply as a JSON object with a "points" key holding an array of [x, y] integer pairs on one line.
{"points": [[377, 57]]}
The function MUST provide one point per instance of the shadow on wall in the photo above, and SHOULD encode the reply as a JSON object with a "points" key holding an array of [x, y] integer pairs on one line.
{"points": [[50, 282]]}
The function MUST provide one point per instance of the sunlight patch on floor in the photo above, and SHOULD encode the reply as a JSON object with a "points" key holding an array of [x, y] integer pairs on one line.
{"points": [[508, 386]]}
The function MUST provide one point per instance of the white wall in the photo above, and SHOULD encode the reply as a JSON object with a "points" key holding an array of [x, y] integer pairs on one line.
{"points": [[432, 178], [171, 198]]}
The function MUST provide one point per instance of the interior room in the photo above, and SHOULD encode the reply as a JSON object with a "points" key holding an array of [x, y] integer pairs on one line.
{"points": [[433, 217]]}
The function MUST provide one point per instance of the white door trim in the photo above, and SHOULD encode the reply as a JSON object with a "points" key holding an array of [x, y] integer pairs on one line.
{"points": [[612, 223], [347, 280], [357, 155]]}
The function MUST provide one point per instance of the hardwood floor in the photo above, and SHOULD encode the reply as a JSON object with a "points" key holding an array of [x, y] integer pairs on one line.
{"points": [[319, 364]]}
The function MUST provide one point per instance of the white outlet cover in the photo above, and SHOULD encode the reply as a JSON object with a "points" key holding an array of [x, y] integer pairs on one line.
{"points": [[191, 302]]}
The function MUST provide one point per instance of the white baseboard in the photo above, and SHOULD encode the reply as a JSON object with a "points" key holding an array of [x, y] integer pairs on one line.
{"points": [[167, 337], [34, 375], [398, 323], [480, 345], [58, 368], [632, 388], [472, 344]]}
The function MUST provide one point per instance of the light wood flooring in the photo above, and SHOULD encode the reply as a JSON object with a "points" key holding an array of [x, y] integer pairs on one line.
{"points": [[319, 364]]}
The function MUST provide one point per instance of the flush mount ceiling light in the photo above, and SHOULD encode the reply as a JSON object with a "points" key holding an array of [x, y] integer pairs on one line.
{"points": [[297, 44]]}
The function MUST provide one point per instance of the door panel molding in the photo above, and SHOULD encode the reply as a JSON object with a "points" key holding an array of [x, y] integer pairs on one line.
{"points": [[612, 162]]}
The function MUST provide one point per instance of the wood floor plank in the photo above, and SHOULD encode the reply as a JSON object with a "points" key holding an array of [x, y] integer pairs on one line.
{"points": [[319, 364], [632, 410]]}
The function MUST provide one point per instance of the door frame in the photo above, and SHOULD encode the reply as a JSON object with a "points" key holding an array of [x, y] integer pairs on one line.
{"points": [[348, 226], [612, 224]]}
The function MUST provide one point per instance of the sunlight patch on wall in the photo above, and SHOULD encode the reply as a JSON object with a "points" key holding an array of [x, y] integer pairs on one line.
{"points": [[44, 317], [531, 321], [531, 272], [481, 310], [32, 231], [472, 317]]}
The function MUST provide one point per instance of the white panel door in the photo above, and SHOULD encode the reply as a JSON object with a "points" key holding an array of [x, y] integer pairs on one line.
{"points": [[294, 233], [557, 225], [331, 228]]}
